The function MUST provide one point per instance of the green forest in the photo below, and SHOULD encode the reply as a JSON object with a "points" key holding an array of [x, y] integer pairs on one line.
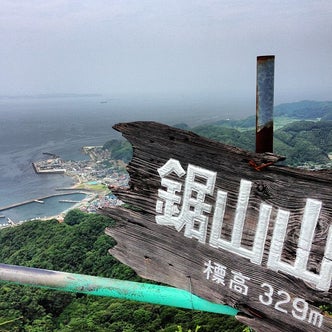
{"points": [[301, 142], [302, 134], [79, 245], [120, 149]]}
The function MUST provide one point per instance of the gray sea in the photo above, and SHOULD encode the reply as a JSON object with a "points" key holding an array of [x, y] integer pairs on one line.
{"points": [[63, 124]]}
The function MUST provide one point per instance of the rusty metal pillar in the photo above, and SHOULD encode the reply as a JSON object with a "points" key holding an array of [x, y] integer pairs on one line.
{"points": [[264, 103]]}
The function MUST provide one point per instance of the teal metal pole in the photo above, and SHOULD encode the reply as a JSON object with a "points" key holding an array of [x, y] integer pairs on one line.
{"points": [[128, 290]]}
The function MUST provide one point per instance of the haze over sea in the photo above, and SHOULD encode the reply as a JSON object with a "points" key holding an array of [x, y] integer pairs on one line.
{"points": [[61, 125]]}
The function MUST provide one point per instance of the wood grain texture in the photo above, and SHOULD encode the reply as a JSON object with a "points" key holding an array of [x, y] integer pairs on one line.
{"points": [[163, 254]]}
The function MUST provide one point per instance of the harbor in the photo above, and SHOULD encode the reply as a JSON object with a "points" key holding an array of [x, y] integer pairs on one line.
{"points": [[46, 207], [46, 168], [38, 200], [93, 179]]}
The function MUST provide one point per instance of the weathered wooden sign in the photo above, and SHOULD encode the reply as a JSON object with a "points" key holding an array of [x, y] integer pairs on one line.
{"points": [[227, 225]]}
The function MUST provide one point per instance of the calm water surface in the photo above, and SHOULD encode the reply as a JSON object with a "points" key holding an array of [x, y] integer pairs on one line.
{"points": [[31, 126]]}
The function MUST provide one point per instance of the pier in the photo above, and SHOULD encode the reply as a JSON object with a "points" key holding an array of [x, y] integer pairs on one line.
{"points": [[14, 205], [39, 169]]}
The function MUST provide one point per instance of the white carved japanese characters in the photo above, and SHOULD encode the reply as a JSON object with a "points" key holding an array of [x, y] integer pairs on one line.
{"points": [[191, 211], [279, 300], [299, 269]]}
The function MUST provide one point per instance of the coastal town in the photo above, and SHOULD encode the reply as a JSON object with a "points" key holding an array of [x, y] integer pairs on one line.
{"points": [[94, 177]]}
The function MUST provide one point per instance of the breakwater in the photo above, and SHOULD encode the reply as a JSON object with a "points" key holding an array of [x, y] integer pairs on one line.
{"points": [[14, 205], [40, 168]]}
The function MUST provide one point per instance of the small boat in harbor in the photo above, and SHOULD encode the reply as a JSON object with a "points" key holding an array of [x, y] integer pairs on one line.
{"points": [[39, 201]]}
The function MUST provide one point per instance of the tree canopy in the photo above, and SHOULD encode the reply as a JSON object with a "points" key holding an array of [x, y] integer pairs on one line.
{"points": [[79, 245]]}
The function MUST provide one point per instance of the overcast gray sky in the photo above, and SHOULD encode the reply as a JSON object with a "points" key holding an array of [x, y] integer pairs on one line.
{"points": [[189, 47]]}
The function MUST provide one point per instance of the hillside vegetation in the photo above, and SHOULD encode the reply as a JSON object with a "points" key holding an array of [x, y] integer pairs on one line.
{"points": [[301, 142], [305, 110], [120, 149], [303, 134], [288, 112], [79, 245]]}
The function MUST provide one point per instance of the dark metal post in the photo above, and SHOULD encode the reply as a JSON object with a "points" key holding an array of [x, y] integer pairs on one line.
{"points": [[264, 103]]}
